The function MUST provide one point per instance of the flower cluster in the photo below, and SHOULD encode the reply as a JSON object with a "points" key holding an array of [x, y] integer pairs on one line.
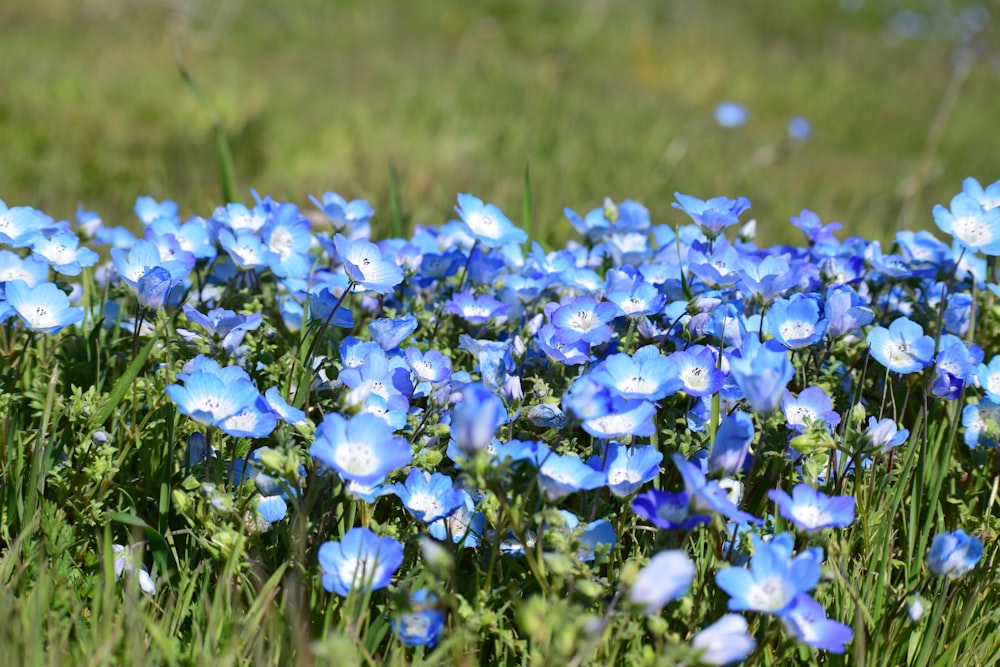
{"points": [[506, 406]]}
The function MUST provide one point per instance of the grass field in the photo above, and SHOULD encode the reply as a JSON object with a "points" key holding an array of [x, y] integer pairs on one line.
{"points": [[602, 98]]}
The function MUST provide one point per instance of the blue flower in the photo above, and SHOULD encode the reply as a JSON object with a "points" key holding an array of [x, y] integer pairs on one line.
{"points": [[988, 198], [762, 371], [774, 579], [560, 475], [712, 215], [903, 347], [670, 511], [224, 324], [148, 210], [366, 266], [476, 418], [321, 304], [980, 421], [389, 333], [845, 311], [427, 496], [476, 309], [247, 249], [638, 299], [423, 623], [143, 257], [732, 443], [569, 354], [796, 322], [812, 405], [667, 576], [716, 265], [724, 641], [589, 538], [20, 225], [799, 128], [211, 394], [884, 434], [254, 420], [696, 369], [708, 494], [361, 448], [62, 250], [44, 308], [360, 561], [465, 524], [952, 555], [812, 510], [806, 620], [351, 217], [32, 270], [768, 277], [430, 366], [487, 224], [627, 468], [970, 224], [954, 366], [645, 375], [621, 417], [584, 319], [731, 114], [286, 235]]}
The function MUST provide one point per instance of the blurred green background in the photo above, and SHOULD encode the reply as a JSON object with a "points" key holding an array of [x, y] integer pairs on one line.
{"points": [[603, 97]]}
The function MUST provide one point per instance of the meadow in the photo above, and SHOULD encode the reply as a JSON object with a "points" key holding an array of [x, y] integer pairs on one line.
{"points": [[365, 334]]}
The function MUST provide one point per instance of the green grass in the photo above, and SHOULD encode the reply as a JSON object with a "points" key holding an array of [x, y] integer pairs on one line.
{"points": [[603, 100]]}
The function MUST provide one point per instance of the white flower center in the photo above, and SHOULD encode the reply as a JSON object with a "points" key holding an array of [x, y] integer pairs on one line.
{"points": [[771, 594], [971, 231], [810, 516], [356, 459], [793, 330], [695, 378], [583, 320]]}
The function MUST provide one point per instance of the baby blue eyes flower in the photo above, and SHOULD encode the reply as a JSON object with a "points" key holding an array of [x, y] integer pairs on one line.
{"points": [[125, 562], [44, 308], [210, 395], [952, 555], [476, 418], [487, 224], [732, 443], [773, 579], [560, 475], [476, 309], [797, 322], [62, 250], [584, 319], [696, 369], [423, 623], [799, 128], [988, 197], [884, 434], [712, 215], [903, 347], [670, 511], [361, 561], [361, 448], [806, 620], [731, 114], [627, 468], [812, 510], [812, 405], [666, 577], [644, 375], [428, 497], [366, 266], [980, 421], [762, 371], [970, 224], [724, 641]]}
